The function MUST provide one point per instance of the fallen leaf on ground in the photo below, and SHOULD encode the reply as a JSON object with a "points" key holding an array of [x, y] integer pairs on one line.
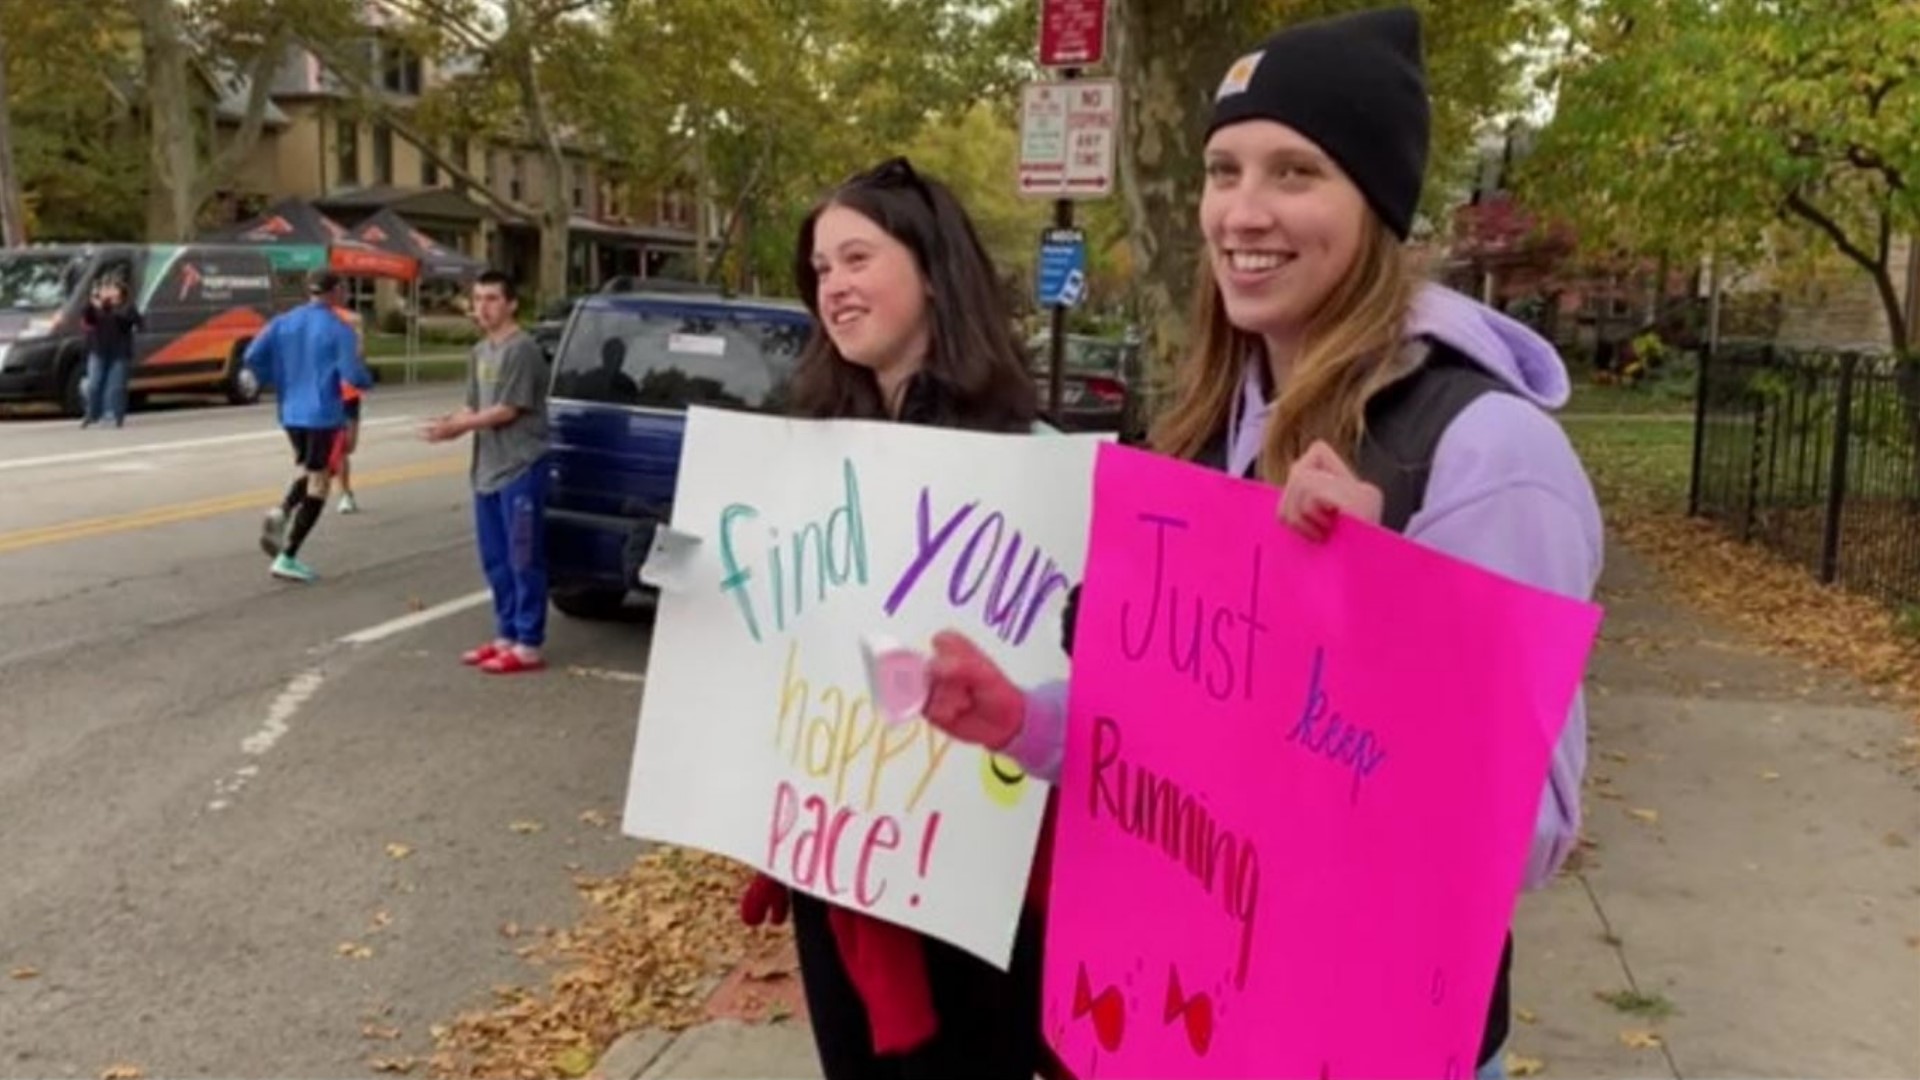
{"points": [[1651, 817], [1769, 775], [398, 851], [122, 1072], [510, 930], [353, 950], [379, 1031], [525, 827], [1526, 1016], [1615, 756], [776, 967], [1895, 840], [24, 971], [573, 1061], [594, 818], [393, 1065], [1524, 1066], [1610, 794], [612, 973], [382, 920], [1639, 1040]]}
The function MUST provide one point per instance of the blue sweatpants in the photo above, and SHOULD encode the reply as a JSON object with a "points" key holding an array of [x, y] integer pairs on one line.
{"points": [[511, 524]]}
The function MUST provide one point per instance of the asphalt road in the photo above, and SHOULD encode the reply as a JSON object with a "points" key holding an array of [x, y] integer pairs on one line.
{"points": [[202, 769]]}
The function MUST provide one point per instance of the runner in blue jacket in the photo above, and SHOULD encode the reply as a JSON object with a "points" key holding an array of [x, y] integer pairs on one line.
{"points": [[305, 354]]}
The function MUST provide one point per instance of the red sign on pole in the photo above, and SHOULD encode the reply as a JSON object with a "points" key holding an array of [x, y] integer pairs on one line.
{"points": [[1073, 33]]}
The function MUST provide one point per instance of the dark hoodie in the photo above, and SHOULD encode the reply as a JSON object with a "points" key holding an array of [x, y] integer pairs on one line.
{"points": [[110, 329]]}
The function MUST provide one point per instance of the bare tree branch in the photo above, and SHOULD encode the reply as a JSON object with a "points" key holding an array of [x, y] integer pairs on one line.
{"points": [[259, 74], [394, 119], [437, 13], [1876, 268]]}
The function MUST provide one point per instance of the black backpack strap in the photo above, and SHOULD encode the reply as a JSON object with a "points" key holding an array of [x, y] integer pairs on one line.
{"points": [[1404, 424]]}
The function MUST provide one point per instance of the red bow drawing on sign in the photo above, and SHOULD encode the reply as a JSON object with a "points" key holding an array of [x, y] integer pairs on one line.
{"points": [[1109, 1012], [1197, 1011]]}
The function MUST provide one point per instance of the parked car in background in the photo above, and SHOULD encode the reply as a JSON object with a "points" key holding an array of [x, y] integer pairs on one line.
{"points": [[1095, 393], [203, 304], [627, 368]]}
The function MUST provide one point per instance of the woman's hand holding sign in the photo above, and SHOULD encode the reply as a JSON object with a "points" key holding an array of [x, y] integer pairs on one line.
{"points": [[1321, 487], [969, 697]]}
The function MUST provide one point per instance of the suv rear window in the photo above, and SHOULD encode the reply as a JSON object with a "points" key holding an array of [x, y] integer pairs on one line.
{"points": [[671, 358]]}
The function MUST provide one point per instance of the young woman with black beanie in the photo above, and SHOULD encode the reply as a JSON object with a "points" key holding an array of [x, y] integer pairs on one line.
{"points": [[1320, 364]]}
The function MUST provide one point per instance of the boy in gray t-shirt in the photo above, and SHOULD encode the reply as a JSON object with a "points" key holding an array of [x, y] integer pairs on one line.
{"points": [[511, 371], [507, 414]]}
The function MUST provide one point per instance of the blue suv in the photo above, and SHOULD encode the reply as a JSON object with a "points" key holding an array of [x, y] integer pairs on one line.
{"points": [[627, 367]]}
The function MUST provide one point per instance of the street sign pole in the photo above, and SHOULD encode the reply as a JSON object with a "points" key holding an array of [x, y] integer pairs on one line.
{"points": [[1057, 347], [1066, 143]]}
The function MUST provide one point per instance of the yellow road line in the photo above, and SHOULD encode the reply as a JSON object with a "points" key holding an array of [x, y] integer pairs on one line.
{"points": [[21, 539]]}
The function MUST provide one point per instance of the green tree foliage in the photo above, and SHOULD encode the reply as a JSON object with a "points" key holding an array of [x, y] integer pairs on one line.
{"points": [[1170, 56], [70, 73], [1737, 127]]}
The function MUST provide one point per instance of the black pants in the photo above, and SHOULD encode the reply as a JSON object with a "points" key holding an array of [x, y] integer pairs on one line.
{"points": [[1493, 1038], [989, 1019]]}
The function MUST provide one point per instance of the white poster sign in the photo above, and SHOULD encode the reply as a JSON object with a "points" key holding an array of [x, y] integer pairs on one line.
{"points": [[758, 736]]}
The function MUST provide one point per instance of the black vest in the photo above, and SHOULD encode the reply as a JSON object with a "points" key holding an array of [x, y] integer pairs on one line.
{"points": [[1404, 425]]}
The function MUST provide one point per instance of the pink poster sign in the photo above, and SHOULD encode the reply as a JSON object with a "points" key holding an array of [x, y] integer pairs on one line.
{"points": [[1300, 786]]}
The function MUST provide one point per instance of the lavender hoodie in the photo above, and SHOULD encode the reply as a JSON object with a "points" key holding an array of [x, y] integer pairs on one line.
{"points": [[1506, 492]]}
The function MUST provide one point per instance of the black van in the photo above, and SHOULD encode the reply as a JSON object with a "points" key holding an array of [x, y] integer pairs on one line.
{"points": [[203, 303]]}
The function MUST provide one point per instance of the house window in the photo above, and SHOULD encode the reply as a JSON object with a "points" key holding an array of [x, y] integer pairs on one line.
{"points": [[346, 151], [400, 71], [458, 150], [579, 186], [517, 181], [429, 168], [382, 154]]}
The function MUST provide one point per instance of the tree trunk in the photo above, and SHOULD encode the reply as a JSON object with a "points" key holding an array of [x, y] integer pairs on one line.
{"points": [[556, 213], [172, 143], [1170, 55], [13, 216], [702, 213]]}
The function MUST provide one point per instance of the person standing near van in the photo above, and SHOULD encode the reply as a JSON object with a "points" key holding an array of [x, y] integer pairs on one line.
{"points": [[305, 354], [506, 413], [110, 320]]}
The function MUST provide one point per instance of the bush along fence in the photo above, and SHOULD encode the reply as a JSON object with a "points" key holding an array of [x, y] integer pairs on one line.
{"points": [[1813, 454]]}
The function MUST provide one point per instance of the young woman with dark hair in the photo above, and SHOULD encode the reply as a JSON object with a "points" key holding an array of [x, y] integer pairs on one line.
{"points": [[910, 325]]}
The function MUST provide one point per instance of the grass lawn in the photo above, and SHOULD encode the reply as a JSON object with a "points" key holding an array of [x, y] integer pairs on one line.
{"points": [[1668, 396], [392, 370], [384, 346], [1636, 465]]}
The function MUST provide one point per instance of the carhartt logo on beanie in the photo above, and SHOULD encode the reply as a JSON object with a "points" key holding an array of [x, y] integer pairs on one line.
{"points": [[1356, 86]]}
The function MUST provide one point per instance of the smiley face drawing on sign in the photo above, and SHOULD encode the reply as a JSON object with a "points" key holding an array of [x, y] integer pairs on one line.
{"points": [[1004, 781]]}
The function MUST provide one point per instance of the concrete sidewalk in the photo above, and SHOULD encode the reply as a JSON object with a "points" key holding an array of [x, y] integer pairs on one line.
{"points": [[1749, 899]]}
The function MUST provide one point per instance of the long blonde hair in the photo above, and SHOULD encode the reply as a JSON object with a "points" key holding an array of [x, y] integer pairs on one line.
{"points": [[1349, 352]]}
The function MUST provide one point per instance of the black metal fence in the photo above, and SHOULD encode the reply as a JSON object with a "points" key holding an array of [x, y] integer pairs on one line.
{"points": [[1813, 454]]}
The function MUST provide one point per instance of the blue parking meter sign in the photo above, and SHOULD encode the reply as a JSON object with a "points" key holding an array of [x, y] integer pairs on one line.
{"points": [[1063, 267]]}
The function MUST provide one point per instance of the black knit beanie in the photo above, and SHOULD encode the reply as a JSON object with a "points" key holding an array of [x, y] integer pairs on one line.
{"points": [[1356, 86]]}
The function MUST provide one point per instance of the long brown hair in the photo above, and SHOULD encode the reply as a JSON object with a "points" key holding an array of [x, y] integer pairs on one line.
{"points": [[975, 372], [1349, 351]]}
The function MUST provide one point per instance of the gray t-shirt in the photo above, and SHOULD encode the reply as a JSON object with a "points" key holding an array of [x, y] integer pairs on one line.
{"points": [[511, 372]]}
